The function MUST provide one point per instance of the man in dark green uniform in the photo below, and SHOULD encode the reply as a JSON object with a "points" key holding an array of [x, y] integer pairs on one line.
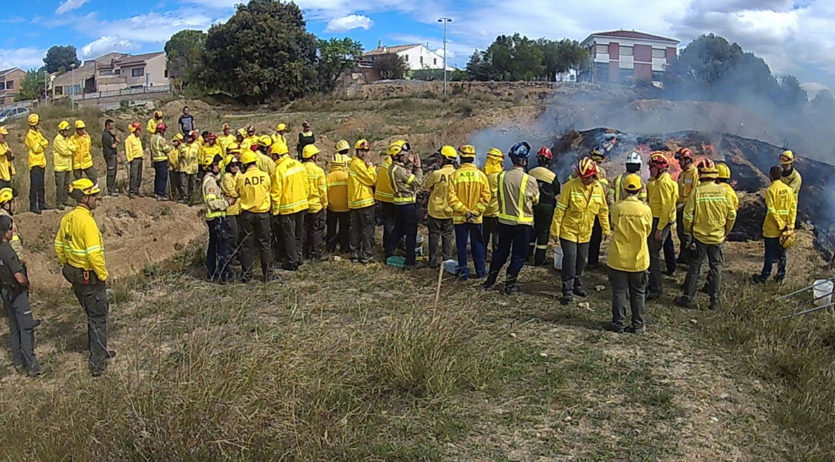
{"points": [[543, 212], [14, 288]]}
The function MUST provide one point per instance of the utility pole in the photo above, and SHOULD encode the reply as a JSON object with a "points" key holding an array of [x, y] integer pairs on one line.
{"points": [[444, 21], [72, 74]]}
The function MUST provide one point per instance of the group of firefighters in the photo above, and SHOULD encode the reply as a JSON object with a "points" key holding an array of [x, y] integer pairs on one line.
{"points": [[261, 202]]}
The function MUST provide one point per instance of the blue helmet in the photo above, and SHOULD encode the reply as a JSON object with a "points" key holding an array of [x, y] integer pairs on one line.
{"points": [[520, 150]]}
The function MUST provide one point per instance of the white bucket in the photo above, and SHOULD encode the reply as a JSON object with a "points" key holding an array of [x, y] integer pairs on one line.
{"points": [[451, 266], [823, 292], [558, 258]]}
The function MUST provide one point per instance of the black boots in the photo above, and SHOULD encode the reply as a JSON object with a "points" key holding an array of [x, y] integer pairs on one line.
{"points": [[491, 280]]}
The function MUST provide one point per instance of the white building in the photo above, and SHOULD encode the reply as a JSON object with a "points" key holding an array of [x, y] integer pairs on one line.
{"points": [[417, 56], [627, 56]]}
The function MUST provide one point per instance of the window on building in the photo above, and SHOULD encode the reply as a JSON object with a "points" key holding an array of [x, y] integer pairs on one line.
{"points": [[165, 74], [106, 72], [602, 72], [656, 53], [657, 76], [138, 72], [406, 58], [602, 49], [2, 85], [434, 61], [626, 51], [9, 84], [421, 60], [117, 71], [626, 75]]}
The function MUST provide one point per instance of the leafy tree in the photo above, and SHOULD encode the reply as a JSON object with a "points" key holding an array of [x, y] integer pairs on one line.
{"points": [[31, 86], [335, 57], [517, 57], [263, 52], [390, 66], [477, 68], [184, 51], [824, 102], [791, 94], [60, 59]]}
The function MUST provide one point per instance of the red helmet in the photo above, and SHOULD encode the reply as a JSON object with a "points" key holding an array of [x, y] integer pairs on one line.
{"points": [[587, 168], [684, 153], [545, 152], [659, 160], [135, 127], [211, 136], [161, 127]]}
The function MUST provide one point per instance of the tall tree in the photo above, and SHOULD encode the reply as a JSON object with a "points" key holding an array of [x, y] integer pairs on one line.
{"points": [[184, 51], [824, 102], [263, 52], [32, 85], [390, 66], [60, 58], [335, 57]]}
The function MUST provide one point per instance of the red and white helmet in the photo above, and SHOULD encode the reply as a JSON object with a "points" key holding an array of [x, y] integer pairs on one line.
{"points": [[545, 152], [587, 168]]}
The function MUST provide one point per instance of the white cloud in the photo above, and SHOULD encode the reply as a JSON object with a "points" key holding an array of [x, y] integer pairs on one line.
{"points": [[813, 88], [104, 45], [24, 58], [69, 5], [346, 23]]}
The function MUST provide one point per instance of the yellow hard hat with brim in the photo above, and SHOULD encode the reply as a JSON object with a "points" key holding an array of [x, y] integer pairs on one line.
{"points": [[724, 171], [3, 131], [6, 194], [449, 152], [495, 153], [342, 145], [249, 157], [279, 149], [265, 141], [632, 183], [340, 159], [33, 119], [309, 151], [362, 145], [63, 125], [467, 150], [79, 124], [787, 157], [280, 127], [86, 186]]}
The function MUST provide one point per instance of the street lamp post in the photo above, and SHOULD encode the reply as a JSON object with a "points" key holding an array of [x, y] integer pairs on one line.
{"points": [[72, 73], [444, 21]]}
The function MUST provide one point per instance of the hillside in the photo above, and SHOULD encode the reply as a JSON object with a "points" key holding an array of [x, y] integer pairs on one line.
{"points": [[347, 362]]}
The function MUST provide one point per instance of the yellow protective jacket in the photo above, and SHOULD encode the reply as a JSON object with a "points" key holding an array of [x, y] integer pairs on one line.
{"points": [[279, 143], [265, 163], [208, 153], [492, 209], [159, 148], [437, 183], [781, 209], [253, 190], [361, 180], [709, 214], [79, 242], [228, 182], [174, 158], [151, 126], [731, 195], [225, 140], [468, 192], [6, 165], [133, 147], [337, 180], [62, 153], [248, 142], [82, 157], [518, 192], [383, 191], [404, 183], [631, 226], [663, 196], [793, 180], [213, 198], [492, 165], [576, 208], [290, 188], [687, 181], [190, 158], [36, 144], [317, 198], [616, 193]]}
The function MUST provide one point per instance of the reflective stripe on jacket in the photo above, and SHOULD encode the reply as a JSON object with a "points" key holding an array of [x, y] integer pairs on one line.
{"points": [[361, 180], [36, 144], [133, 147], [213, 198], [404, 183], [290, 188], [337, 189], [781, 209], [576, 209], [631, 226], [82, 157], [518, 193], [708, 214], [79, 243], [437, 183], [227, 185], [253, 188], [469, 192], [687, 181], [317, 197], [662, 193], [62, 153], [159, 148], [383, 191]]}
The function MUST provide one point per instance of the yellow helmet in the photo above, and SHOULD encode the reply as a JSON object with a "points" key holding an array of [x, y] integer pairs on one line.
{"points": [[362, 145], [787, 157], [448, 152], [248, 157], [707, 169], [6, 194], [340, 159], [342, 145], [265, 140], [242, 132], [33, 119], [279, 149], [280, 127], [178, 137], [467, 150], [632, 183], [86, 186], [3, 131], [63, 125], [495, 153], [724, 171], [309, 151], [787, 239], [79, 124], [397, 147]]}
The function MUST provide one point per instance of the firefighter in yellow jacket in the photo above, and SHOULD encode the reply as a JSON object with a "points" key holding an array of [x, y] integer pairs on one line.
{"points": [[153, 122], [493, 165], [339, 212], [791, 177], [36, 144], [688, 179], [384, 194], [6, 158], [598, 156], [62, 156], [82, 157], [228, 181], [581, 202], [289, 196], [160, 150], [629, 256], [780, 217], [662, 193], [135, 156], [217, 252], [469, 196], [317, 203], [709, 216], [439, 223], [362, 176], [79, 247], [189, 166], [518, 193], [406, 178], [253, 191]]}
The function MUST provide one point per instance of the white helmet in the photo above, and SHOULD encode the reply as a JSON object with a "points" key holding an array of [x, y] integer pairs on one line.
{"points": [[634, 158]]}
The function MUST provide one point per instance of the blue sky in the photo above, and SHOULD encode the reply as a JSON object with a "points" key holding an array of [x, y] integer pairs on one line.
{"points": [[794, 36]]}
